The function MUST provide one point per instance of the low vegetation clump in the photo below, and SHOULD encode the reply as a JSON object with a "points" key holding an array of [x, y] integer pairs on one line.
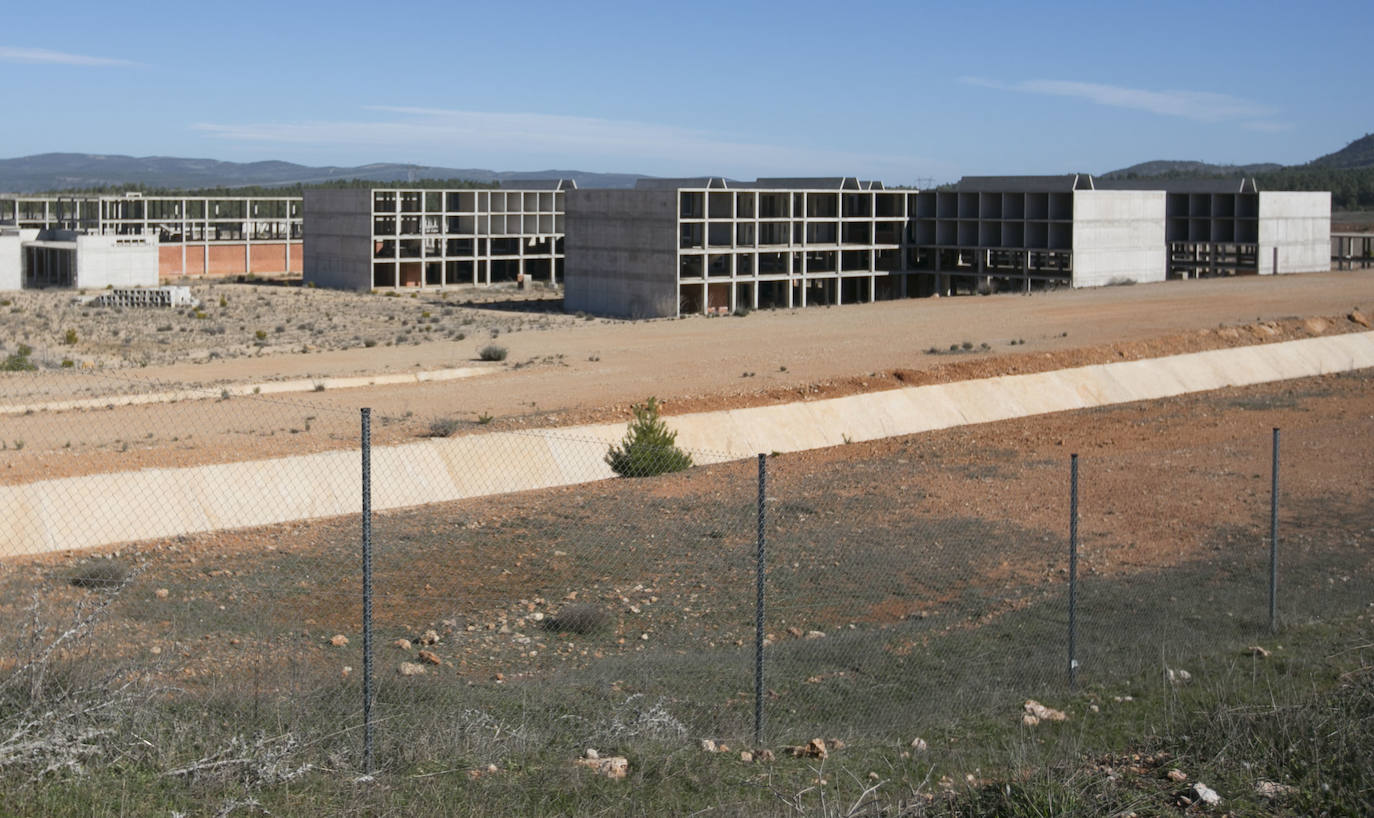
{"points": [[578, 619], [649, 447], [493, 352], [443, 427], [19, 360], [100, 575]]}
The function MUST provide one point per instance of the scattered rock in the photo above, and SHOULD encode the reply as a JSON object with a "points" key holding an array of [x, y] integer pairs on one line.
{"points": [[162, 593], [1041, 712], [429, 657], [708, 746], [1176, 775], [614, 767], [1205, 794], [1273, 790], [1092, 708], [1316, 326], [430, 637], [1179, 677], [815, 634], [403, 644], [794, 631], [1256, 650], [764, 755], [590, 753], [1028, 720], [919, 745], [815, 748], [338, 640], [746, 756], [1358, 317], [411, 669]]}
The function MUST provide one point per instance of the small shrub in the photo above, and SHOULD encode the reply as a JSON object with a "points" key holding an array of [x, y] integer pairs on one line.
{"points": [[443, 427], [967, 345], [19, 361], [101, 575], [493, 352], [579, 619], [319, 387], [261, 335], [370, 343], [70, 337], [649, 448], [223, 302], [484, 418], [68, 363]]}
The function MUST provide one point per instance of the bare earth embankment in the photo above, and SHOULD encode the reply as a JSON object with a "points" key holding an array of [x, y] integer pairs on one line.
{"points": [[562, 370]]}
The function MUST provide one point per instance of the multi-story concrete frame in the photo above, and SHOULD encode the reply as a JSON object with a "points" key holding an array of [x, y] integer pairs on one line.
{"points": [[390, 237], [197, 236], [1020, 232], [675, 246], [1229, 227]]}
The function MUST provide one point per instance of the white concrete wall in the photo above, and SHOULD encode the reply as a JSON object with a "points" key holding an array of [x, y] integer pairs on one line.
{"points": [[103, 509], [1299, 225], [337, 245], [1118, 236], [104, 261], [11, 261]]}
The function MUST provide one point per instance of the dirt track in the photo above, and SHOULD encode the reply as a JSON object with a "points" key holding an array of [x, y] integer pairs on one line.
{"points": [[589, 370]]}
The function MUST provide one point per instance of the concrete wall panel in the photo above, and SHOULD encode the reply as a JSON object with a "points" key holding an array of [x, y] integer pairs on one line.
{"points": [[81, 512]]}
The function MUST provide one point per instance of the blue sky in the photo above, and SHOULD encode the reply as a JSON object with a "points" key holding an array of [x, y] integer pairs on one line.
{"points": [[901, 91]]}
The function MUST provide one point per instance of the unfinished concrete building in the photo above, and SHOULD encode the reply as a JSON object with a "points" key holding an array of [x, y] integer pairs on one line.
{"points": [[34, 259], [1025, 232], [197, 236], [675, 246], [1230, 227], [681, 246], [386, 238]]}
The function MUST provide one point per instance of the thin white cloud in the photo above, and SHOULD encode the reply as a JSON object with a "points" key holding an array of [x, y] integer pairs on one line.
{"points": [[554, 137], [1201, 106], [44, 56]]}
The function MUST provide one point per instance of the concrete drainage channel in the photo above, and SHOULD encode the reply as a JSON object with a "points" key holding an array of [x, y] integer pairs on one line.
{"points": [[240, 390], [119, 507]]}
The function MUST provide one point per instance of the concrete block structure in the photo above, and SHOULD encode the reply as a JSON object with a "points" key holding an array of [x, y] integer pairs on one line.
{"points": [[1021, 232], [198, 237], [11, 259], [374, 238], [65, 258], [1229, 227], [677, 246], [674, 246]]}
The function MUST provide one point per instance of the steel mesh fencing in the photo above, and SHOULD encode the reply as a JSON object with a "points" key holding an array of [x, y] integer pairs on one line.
{"points": [[187, 580], [1176, 545], [911, 586], [165, 581], [567, 599]]}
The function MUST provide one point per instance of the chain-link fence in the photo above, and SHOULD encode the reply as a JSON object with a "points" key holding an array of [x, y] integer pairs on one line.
{"points": [[194, 586]]}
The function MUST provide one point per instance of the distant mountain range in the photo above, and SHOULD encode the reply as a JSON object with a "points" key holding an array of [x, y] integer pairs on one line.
{"points": [[75, 171], [1358, 154]]}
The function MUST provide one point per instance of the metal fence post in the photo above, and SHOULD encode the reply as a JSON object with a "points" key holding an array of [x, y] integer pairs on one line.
{"points": [[1073, 571], [1274, 538], [758, 604], [367, 591]]}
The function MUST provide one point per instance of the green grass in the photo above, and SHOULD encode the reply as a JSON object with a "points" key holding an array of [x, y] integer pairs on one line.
{"points": [[1304, 717]]}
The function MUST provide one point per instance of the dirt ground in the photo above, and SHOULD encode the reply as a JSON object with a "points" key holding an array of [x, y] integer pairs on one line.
{"points": [[562, 370], [884, 547]]}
